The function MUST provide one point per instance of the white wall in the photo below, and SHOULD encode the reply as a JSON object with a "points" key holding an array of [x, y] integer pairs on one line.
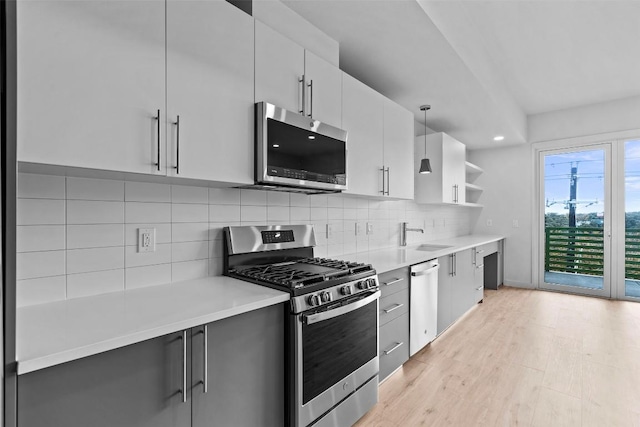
{"points": [[507, 180], [587, 120]]}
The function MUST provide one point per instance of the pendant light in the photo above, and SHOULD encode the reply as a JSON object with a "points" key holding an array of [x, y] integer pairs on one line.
{"points": [[425, 165]]}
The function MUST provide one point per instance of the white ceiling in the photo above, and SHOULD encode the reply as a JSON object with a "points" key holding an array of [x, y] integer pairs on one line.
{"points": [[485, 65]]}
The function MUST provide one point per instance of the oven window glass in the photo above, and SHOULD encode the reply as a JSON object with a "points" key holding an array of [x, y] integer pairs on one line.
{"points": [[290, 147], [335, 348]]}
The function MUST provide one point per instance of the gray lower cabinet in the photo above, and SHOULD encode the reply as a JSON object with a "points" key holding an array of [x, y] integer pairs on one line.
{"points": [[141, 385], [393, 320], [456, 287]]}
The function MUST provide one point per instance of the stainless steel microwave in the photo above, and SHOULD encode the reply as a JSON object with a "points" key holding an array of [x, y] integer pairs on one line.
{"points": [[298, 153]]}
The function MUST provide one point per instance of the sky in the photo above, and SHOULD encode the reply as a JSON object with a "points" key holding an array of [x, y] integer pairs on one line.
{"points": [[590, 173]]}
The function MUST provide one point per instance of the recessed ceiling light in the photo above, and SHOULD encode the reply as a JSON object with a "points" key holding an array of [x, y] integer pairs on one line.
{"points": [[276, 145], [498, 138], [312, 137]]}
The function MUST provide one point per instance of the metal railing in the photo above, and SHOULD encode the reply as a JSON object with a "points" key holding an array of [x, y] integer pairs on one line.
{"points": [[581, 251]]}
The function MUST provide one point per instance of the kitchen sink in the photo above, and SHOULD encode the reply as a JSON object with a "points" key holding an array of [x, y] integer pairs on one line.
{"points": [[431, 248]]}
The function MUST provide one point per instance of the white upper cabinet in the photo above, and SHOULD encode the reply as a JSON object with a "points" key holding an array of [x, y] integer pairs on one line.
{"points": [[363, 119], [279, 69], [380, 138], [323, 97], [91, 80], [398, 150], [295, 79], [447, 181], [210, 53]]}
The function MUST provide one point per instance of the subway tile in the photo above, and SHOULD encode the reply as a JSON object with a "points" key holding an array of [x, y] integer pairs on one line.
{"points": [[93, 212], [300, 214], [216, 248], [318, 214], [216, 267], [147, 192], [163, 233], [350, 213], [33, 238], [32, 265], [277, 213], [40, 291], [253, 197], [95, 259], [363, 214], [152, 275], [189, 270], [298, 199], [334, 250], [189, 194], [189, 251], [335, 201], [40, 212], [32, 186], [350, 247], [350, 202], [190, 232], [335, 213], [318, 200], [136, 212], [133, 258], [216, 231], [277, 198], [224, 196], [94, 283], [185, 212], [95, 189], [95, 236], [253, 213], [224, 213]]}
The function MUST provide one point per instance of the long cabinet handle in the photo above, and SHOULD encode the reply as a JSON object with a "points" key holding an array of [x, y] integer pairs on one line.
{"points": [[383, 181], [183, 337], [393, 282], [206, 358], [177, 123], [394, 348], [395, 307], [157, 118], [310, 86], [388, 179], [303, 90]]}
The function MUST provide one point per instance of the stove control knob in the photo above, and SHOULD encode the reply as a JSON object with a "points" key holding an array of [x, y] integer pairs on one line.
{"points": [[362, 285], [372, 283], [314, 300], [325, 296], [345, 290]]}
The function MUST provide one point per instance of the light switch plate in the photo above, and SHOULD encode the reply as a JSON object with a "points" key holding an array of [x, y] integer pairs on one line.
{"points": [[146, 239], [369, 228]]}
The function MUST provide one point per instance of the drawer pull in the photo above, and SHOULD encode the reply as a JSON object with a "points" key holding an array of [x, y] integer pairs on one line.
{"points": [[393, 281], [479, 288], [394, 348], [480, 252], [395, 307], [480, 266]]}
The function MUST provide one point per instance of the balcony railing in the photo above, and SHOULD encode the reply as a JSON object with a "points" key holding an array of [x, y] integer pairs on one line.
{"points": [[581, 251]]}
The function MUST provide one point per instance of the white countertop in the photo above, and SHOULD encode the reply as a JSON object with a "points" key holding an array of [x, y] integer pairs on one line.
{"points": [[384, 260], [54, 333]]}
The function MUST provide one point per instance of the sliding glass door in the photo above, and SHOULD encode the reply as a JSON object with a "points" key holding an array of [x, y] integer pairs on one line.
{"points": [[575, 220], [632, 218]]}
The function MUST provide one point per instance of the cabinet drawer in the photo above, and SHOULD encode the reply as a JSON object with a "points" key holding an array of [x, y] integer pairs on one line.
{"points": [[394, 281], [394, 345], [393, 306], [486, 249]]}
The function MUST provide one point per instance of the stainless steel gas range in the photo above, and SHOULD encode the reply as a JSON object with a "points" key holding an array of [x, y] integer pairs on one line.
{"points": [[332, 326]]}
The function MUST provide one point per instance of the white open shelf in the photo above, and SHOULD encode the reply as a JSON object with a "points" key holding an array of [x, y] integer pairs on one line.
{"points": [[473, 169]]}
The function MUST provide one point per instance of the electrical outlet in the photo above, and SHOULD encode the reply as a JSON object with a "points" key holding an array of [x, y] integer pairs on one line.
{"points": [[146, 239], [369, 228], [489, 223], [329, 230], [358, 229], [515, 223]]}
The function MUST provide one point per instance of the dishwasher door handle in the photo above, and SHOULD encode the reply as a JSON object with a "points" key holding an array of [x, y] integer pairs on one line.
{"points": [[425, 272]]}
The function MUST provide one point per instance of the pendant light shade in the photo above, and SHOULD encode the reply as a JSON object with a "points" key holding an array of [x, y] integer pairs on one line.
{"points": [[425, 164]]}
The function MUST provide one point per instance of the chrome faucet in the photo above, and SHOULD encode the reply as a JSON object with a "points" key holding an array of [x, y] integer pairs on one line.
{"points": [[403, 232]]}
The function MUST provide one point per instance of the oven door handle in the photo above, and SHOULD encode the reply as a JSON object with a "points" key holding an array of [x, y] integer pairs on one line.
{"points": [[310, 319]]}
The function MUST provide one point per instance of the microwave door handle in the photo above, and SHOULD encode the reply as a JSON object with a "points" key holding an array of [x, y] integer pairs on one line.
{"points": [[310, 319]]}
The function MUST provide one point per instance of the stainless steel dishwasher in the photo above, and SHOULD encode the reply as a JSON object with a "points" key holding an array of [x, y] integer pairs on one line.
{"points": [[423, 313]]}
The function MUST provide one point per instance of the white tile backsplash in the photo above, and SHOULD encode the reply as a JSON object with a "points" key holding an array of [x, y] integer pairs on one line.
{"points": [[94, 212], [77, 237], [40, 212], [95, 189]]}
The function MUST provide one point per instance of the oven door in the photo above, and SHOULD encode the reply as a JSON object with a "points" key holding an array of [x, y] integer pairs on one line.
{"points": [[336, 353]]}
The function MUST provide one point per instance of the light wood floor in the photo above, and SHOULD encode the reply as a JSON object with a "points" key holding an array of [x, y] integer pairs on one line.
{"points": [[523, 358]]}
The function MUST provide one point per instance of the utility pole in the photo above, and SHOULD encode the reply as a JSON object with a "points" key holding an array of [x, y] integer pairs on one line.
{"points": [[571, 244]]}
